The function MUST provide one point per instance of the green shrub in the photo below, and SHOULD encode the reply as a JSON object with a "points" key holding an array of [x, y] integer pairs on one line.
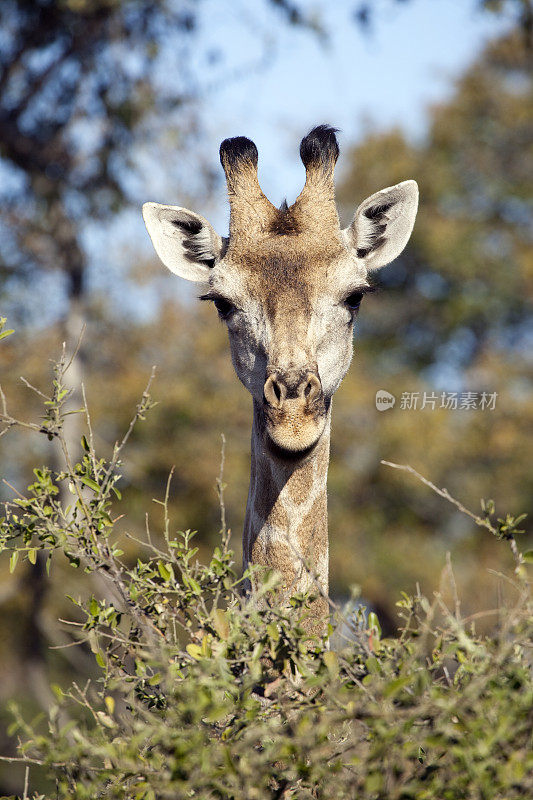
{"points": [[203, 694]]}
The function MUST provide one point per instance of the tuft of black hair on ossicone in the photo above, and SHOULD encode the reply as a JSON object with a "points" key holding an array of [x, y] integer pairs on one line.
{"points": [[320, 147], [236, 151]]}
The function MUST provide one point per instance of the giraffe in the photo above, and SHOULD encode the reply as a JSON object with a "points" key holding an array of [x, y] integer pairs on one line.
{"points": [[288, 283]]}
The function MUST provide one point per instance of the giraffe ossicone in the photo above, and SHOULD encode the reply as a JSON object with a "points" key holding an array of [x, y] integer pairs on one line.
{"points": [[288, 283]]}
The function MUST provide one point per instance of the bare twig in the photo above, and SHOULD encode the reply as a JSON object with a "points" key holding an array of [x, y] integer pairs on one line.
{"points": [[482, 521], [165, 506], [10, 422], [141, 407], [41, 763], [26, 781], [76, 349], [34, 388], [13, 488], [148, 545], [220, 488], [28, 760], [89, 427], [453, 586]]}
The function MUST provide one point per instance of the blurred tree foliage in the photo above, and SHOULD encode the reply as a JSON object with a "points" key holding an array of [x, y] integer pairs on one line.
{"points": [[455, 314], [82, 81], [455, 309], [65, 64], [83, 84], [466, 281]]}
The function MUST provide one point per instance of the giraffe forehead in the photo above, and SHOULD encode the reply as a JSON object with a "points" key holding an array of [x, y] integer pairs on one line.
{"points": [[286, 274]]}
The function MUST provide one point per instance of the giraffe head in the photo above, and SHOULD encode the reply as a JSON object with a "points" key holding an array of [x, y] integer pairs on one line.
{"points": [[287, 282]]}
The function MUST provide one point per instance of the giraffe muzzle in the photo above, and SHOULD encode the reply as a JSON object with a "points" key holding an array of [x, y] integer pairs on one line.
{"points": [[295, 410], [281, 387]]}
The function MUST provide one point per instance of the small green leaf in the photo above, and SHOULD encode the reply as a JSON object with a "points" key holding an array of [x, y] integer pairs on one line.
{"points": [[273, 632], [373, 624], [100, 660], [372, 665], [195, 651], [528, 556], [220, 623], [13, 561], [6, 333], [105, 719], [32, 555], [74, 561], [57, 690], [90, 483], [394, 687], [332, 663], [165, 570], [193, 585], [206, 647]]}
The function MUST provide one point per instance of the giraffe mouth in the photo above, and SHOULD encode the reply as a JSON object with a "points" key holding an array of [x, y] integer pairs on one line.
{"points": [[292, 432], [284, 454], [293, 438]]}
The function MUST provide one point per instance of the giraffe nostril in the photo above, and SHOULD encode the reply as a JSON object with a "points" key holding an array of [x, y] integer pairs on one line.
{"points": [[274, 392], [312, 388]]}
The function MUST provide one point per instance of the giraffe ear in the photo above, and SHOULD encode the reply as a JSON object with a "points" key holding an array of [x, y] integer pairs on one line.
{"points": [[184, 241], [383, 223]]}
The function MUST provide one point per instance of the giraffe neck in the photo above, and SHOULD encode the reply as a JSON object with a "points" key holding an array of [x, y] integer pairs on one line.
{"points": [[286, 524]]}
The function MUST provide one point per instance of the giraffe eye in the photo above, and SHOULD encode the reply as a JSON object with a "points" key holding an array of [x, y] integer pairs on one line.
{"points": [[353, 301], [224, 307]]}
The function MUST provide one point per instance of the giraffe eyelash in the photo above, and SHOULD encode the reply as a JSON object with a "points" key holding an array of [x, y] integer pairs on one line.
{"points": [[367, 289], [224, 306]]}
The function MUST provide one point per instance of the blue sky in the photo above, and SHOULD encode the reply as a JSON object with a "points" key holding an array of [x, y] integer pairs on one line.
{"points": [[389, 76], [274, 83]]}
